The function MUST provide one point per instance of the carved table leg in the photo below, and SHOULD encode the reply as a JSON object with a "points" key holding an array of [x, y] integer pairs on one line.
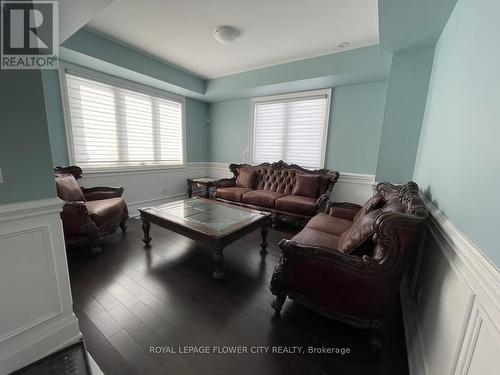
{"points": [[264, 230], [145, 228], [277, 304], [219, 262], [274, 220]]}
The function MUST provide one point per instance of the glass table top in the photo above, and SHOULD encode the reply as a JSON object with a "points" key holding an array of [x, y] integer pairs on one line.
{"points": [[217, 217]]}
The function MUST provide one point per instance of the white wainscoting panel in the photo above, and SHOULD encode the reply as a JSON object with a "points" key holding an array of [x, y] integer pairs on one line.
{"points": [[351, 187], [156, 186], [453, 323], [219, 170], [148, 186], [36, 316]]}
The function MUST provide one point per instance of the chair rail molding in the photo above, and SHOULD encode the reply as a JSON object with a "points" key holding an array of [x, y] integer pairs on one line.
{"points": [[37, 316], [453, 323]]}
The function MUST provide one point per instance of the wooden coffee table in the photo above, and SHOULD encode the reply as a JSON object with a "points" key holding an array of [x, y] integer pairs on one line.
{"points": [[214, 223]]}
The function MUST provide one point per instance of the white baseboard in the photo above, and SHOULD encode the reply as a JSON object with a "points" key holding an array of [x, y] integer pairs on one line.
{"points": [[94, 367], [133, 206], [453, 325], [37, 310]]}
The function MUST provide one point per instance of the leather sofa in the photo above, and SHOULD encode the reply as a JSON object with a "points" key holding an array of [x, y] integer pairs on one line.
{"points": [[285, 190], [347, 264], [88, 213]]}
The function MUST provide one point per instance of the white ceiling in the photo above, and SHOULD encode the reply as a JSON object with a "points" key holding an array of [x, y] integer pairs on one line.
{"points": [[272, 31]]}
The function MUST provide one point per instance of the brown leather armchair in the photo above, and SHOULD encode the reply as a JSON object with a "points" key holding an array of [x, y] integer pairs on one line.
{"points": [[88, 213], [348, 264]]}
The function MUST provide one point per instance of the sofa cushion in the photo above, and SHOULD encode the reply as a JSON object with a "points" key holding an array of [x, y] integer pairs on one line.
{"points": [[314, 237], [68, 189], [246, 178], [329, 224], [231, 193], [264, 198], [359, 233], [105, 211], [306, 185], [376, 201], [297, 204]]}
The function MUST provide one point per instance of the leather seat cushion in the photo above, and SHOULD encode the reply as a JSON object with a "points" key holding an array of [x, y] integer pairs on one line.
{"points": [[297, 204], [329, 224], [264, 198], [68, 189], [314, 237], [231, 193], [105, 211]]}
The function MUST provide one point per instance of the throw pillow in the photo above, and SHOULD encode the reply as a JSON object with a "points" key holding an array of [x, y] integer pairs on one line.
{"points": [[376, 201], [246, 178], [306, 185], [359, 233]]}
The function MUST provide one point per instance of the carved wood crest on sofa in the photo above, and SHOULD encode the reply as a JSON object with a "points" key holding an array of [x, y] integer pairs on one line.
{"points": [[88, 213], [287, 191], [348, 264]]}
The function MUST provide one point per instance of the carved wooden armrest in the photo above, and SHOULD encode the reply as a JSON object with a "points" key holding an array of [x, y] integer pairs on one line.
{"points": [[76, 207], [102, 192], [322, 203], [333, 262], [343, 210], [225, 182], [76, 219], [332, 256]]}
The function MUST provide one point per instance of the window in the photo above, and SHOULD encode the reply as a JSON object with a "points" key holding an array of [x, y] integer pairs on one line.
{"points": [[112, 126], [291, 128]]}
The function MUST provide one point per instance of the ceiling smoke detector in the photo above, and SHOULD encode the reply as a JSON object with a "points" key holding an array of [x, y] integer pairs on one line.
{"points": [[344, 44], [226, 34]]}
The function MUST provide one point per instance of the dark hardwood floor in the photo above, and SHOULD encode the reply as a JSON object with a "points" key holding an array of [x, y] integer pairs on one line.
{"points": [[128, 299]]}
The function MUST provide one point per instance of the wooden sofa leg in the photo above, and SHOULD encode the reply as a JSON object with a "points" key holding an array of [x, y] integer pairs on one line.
{"points": [[274, 221], [123, 226], [277, 304]]}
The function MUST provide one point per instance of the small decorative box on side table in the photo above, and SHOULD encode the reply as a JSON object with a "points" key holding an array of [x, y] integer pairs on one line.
{"points": [[204, 183]]}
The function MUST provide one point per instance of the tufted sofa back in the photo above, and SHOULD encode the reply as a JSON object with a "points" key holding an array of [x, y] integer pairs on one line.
{"points": [[280, 177]]}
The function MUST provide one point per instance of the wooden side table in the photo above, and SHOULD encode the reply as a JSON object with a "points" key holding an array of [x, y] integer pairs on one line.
{"points": [[203, 182]]}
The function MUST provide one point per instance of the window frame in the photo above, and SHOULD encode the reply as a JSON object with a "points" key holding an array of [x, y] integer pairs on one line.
{"points": [[68, 68], [287, 98]]}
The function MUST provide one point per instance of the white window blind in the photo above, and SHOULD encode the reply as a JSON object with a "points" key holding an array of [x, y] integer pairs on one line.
{"points": [[115, 127], [291, 128]]}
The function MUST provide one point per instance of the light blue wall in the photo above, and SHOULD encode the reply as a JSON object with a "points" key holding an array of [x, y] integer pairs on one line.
{"points": [[86, 44], [229, 123], [410, 23], [24, 144], [404, 111], [360, 65], [459, 156], [55, 117], [355, 126], [197, 131], [353, 134]]}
